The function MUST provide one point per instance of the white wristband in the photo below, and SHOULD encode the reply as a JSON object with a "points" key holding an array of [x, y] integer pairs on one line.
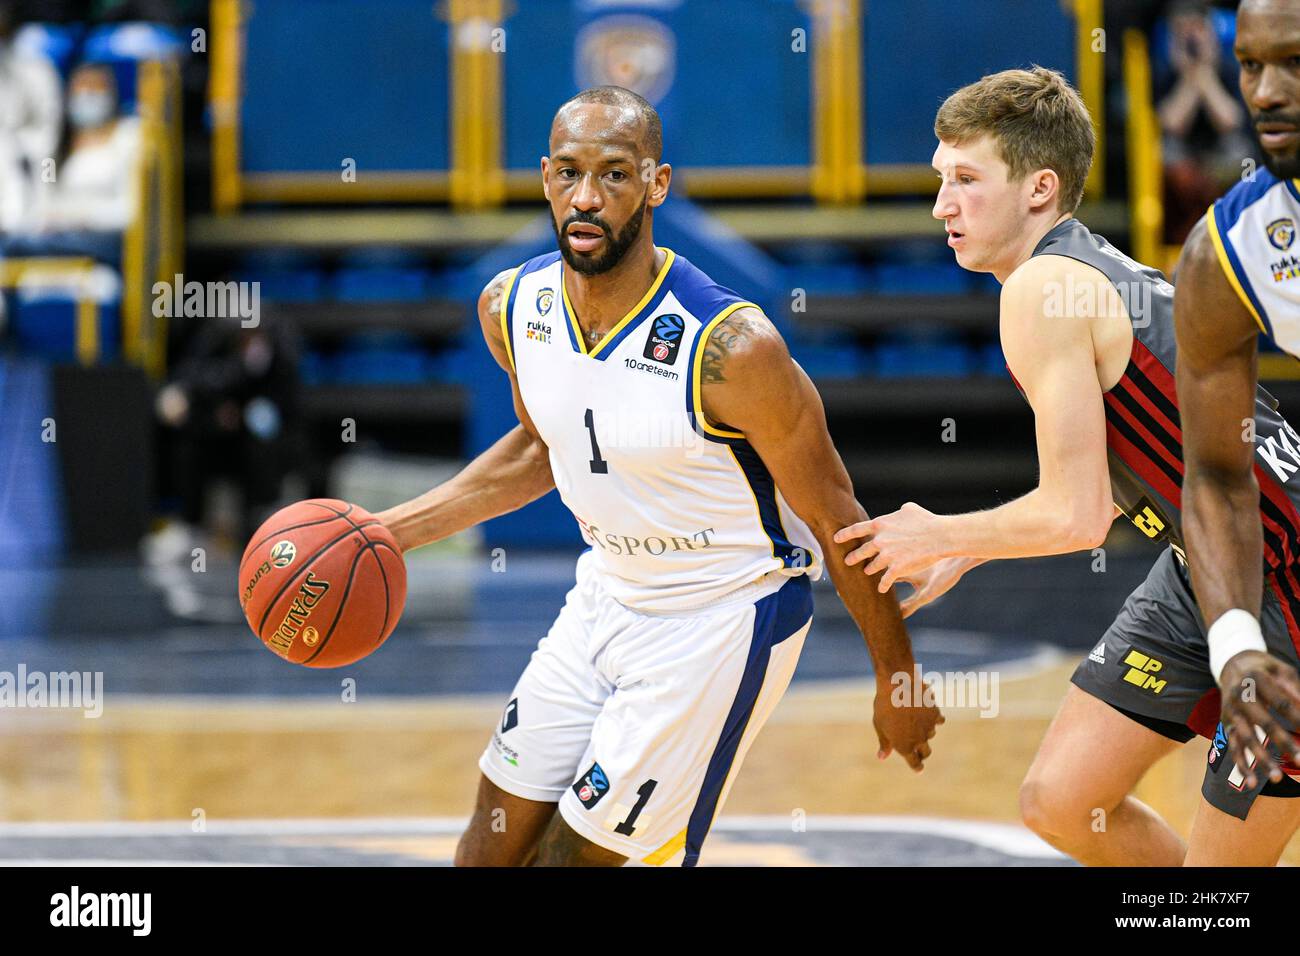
{"points": [[1234, 632]]}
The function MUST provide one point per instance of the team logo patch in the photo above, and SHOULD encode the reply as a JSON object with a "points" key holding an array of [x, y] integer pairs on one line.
{"points": [[283, 553], [1142, 671], [1218, 747], [510, 719], [544, 299], [591, 786], [665, 339], [1281, 232]]}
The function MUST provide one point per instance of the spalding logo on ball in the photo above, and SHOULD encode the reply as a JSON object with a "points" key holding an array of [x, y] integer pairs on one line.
{"points": [[323, 583]]}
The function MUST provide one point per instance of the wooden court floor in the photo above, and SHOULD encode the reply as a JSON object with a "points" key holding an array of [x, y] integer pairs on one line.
{"points": [[164, 759]]}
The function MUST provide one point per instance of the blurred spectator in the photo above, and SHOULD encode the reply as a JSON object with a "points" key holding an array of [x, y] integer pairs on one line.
{"points": [[231, 410], [30, 121], [1203, 125], [95, 186]]}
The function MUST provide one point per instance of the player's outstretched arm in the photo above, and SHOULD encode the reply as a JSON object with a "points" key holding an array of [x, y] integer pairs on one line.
{"points": [[1217, 380], [1053, 358], [510, 474], [752, 385]]}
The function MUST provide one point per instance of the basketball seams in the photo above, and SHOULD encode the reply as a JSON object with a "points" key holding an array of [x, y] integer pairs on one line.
{"points": [[373, 548], [343, 603], [254, 545]]}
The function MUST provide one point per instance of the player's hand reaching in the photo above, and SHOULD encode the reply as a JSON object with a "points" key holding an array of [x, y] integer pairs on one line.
{"points": [[901, 544], [932, 583], [906, 727], [1255, 686]]}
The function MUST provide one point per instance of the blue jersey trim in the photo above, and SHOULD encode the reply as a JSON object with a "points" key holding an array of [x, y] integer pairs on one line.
{"points": [[769, 513], [776, 617], [535, 264], [1241, 196], [1231, 252]]}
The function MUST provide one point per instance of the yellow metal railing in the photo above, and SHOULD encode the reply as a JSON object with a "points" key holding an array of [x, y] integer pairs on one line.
{"points": [[838, 174], [151, 246], [224, 93], [477, 179], [1090, 74], [1145, 177]]}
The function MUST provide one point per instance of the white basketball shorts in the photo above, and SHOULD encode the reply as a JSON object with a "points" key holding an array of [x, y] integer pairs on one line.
{"points": [[637, 723]]}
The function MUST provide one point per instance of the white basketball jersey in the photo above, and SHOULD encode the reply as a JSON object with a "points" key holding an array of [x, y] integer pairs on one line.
{"points": [[679, 513], [1254, 232]]}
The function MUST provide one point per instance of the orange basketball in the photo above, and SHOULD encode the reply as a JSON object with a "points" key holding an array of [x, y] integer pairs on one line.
{"points": [[322, 583]]}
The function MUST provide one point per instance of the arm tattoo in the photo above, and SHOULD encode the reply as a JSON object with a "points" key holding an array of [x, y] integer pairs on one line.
{"points": [[729, 334], [495, 293]]}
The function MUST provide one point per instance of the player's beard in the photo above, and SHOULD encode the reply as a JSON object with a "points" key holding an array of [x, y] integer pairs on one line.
{"points": [[1283, 167], [616, 247]]}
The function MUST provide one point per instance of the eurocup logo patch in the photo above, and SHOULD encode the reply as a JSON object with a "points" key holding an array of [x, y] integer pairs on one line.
{"points": [[664, 339], [1219, 746], [544, 299], [1281, 232], [591, 786], [283, 553]]}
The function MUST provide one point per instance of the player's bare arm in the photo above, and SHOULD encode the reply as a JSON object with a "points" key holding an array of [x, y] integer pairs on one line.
{"points": [[1216, 393], [1054, 359], [752, 385], [510, 474]]}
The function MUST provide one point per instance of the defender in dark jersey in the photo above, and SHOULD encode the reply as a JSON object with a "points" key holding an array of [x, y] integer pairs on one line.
{"points": [[1088, 335]]}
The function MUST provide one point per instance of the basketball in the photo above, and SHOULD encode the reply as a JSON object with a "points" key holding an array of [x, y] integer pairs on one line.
{"points": [[322, 583]]}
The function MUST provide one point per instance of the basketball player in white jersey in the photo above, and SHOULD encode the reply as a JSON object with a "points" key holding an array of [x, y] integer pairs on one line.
{"points": [[694, 455], [1239, 276]]}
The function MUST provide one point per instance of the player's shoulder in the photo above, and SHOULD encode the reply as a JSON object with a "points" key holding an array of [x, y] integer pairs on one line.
{"points": [[1246, 195], [492, 298], [1042, 278], [701, 296]]}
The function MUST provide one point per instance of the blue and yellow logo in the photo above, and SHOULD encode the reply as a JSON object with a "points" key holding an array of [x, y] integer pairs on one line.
{"points": [[544, 299], [1281, 232]]}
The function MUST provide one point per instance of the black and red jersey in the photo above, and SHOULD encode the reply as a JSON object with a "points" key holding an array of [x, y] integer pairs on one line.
{"points": [[1143, 432]]}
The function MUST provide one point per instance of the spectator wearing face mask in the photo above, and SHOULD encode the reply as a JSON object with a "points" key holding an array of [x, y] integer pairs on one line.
{"points": [[95, 186], [30, 119]]}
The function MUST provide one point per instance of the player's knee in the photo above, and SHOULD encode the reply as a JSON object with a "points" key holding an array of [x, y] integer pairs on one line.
{"points": [[1050, 809]]}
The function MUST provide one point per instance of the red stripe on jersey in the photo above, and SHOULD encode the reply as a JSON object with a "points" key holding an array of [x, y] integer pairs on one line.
{"points": [[1277, 494], [1132, 389], [1160, 377], [1140, 461], [1158, 447], [1282, 598]]}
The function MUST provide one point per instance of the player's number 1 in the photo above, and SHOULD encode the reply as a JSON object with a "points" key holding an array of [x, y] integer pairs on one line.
{"points": [[599, 466]]}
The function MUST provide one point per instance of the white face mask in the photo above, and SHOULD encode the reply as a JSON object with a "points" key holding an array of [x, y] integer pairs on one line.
{"points": [[93, 108]]}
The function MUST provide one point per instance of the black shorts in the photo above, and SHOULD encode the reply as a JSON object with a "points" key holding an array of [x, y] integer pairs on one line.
{"points": [[1153, 665]]}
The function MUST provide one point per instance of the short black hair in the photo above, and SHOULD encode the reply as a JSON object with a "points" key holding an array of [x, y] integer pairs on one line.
{"points": [[652, 128]]}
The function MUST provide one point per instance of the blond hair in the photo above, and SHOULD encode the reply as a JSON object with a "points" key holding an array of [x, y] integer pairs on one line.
{"points": [[1037, 120]]}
